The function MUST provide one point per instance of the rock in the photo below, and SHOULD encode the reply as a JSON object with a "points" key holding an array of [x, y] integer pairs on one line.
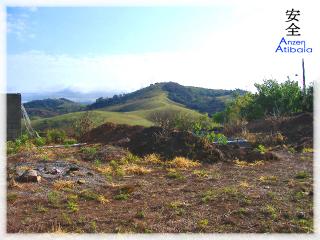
{"points": [[90, 173], [30, 175], [81, 181], [73, 169], [301, 215], [55, 171]]}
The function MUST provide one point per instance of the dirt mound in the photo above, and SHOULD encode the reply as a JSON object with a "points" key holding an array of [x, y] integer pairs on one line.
{"points": [[297, 129], [140, 141], [111, 133]]}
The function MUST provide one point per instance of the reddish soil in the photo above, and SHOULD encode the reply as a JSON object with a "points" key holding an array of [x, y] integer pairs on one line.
{"points": [[276, 196]]}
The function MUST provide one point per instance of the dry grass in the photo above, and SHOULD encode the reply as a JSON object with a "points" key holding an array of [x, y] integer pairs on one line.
{"points": [[63, 184], [268, 179], [152, 158], [183, 163], [134, 169], [104, 169], [244, 184], [248, 164], [102, 199]]}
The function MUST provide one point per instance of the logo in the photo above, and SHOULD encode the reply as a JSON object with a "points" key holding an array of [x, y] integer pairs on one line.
{"points": [[290, 45]]}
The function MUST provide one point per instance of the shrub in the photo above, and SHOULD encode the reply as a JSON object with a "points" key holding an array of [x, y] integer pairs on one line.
{"points": [[55, 136], [89, 152], [83, 125], [39, 141]]}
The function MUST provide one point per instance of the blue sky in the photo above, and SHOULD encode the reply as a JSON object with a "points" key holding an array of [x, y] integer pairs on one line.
{"points": [[126, 48], [113, 30]]}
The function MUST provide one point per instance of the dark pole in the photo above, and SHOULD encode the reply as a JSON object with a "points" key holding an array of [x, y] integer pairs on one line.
{"points": [[303, 78]]}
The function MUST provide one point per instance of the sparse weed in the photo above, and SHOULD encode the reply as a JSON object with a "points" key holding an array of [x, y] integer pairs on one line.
{"points": [[88, 195], [203, 223], [122, 196], [262, 149], [72, 206], [307, 150], [66, 219], [177, 206], [54, 198], [201, 173], [208, 196], [140, 214], [242, 211], [11, 197], [72, 197], [174, 174], [270, 211], [291, 150], [268, 179], [93, 226], [302, 175], [39, 141], [41, 209], [102, 199], [97, 163]]}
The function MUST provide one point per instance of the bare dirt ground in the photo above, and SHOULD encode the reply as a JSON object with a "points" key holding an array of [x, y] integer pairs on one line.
{"points": [[79, 193]]}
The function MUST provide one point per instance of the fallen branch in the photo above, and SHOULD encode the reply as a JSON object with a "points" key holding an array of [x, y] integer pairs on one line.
{"points": [[59, 146]]}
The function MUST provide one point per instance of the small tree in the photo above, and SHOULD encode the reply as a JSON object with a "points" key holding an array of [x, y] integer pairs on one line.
{"points": [[83, 125]]}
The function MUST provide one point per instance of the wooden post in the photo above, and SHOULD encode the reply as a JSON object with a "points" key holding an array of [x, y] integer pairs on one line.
{"points": [[304, 87], [303, 79]]}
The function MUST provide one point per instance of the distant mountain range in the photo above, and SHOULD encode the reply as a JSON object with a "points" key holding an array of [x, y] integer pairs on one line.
{"points": [[75, 96]]}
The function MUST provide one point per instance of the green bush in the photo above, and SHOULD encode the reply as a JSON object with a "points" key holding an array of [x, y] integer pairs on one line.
{"points": [[69, 141], [39, 141], [55, 136]]}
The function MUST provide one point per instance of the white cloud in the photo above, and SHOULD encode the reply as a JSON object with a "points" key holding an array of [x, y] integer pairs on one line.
{"points": [[19, 25]]}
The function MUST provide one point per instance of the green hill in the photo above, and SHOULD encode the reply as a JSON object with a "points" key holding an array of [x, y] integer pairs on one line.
{"points": [[51, 107], [141, 107], [201, 99]]}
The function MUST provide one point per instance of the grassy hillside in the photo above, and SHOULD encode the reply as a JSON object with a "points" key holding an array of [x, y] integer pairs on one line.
{"points": [[66, 121], [135, 112], [140, 107], [199, 99], [51, 107]]}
